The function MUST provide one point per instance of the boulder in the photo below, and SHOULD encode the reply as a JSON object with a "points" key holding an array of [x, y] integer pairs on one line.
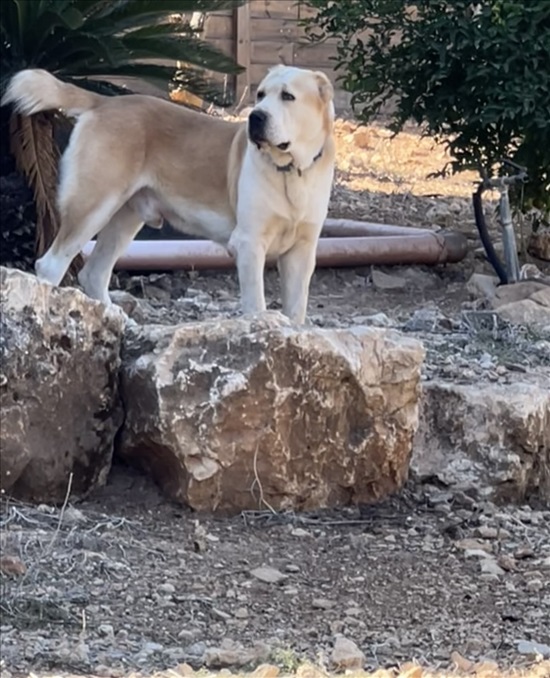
{"points": [[253, 413], [491, 439], [59, 393]]}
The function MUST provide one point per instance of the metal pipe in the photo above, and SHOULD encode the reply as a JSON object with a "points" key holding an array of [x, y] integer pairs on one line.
{"points": [[428, 248]]}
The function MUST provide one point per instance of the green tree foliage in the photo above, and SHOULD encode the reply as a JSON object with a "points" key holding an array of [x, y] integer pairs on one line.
{"points": [[474, 73], [94, 44]]}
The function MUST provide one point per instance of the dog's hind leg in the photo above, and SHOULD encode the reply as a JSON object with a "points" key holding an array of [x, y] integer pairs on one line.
{"points": [[111, 243], [94, 186], [80, 222]]}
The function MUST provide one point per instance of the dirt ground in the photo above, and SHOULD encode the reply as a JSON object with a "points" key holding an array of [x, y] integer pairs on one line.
{"points": [[128, 582]]}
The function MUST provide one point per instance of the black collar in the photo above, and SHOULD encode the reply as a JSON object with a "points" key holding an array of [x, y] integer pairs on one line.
{"points": [[291, 165]]}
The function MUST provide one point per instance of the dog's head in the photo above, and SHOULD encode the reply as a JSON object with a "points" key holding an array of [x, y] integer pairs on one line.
{"points": [[293, 115]]}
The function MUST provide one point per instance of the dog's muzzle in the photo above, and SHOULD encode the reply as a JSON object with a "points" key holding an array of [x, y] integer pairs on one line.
{"points": [[257, 124]]}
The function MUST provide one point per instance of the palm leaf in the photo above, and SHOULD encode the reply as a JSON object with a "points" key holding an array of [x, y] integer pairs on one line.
{"points": [[37, 156], [181, 48]]}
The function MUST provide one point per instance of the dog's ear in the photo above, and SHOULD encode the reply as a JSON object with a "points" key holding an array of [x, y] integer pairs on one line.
{"points": [[326, 89]]}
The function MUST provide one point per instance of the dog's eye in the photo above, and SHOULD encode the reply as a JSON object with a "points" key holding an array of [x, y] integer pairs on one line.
{"points": [[260, 95], [287, 96]]}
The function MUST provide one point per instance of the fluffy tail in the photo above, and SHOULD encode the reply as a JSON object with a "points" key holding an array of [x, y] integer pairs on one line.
{"points": [[35, 90]]}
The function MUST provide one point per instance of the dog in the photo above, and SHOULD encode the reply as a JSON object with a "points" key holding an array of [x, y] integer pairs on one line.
{"points": [[260, 187]]}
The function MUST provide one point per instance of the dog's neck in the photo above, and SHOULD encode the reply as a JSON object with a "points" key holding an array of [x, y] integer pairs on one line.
{"points": [[289, 167]]}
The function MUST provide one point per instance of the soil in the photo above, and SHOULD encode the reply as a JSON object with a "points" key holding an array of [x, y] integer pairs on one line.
{"points": [[129, 582]]}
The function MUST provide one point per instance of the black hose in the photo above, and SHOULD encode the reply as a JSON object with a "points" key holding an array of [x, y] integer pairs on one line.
{"points": [[485, 238]]}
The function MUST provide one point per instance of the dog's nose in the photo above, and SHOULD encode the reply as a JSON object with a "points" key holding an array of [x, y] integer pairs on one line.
{"points": [[256, 125]]}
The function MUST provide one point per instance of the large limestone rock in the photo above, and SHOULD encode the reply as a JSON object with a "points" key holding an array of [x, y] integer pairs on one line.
{"points": [[59, 394], [488, 438], [253, 413]]}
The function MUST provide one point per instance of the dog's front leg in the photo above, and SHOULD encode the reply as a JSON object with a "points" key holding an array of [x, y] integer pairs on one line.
{"points": [[250, 258], [295, 269]]}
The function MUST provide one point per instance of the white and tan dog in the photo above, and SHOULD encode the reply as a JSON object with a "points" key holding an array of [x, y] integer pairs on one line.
{"points": [[259, 188]]}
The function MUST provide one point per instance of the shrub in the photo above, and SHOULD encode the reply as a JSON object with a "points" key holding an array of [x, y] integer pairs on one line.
{"points": [[474, 73]]}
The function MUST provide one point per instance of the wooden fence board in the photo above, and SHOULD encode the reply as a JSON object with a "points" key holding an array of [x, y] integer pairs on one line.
{"points": [[274, 9]]}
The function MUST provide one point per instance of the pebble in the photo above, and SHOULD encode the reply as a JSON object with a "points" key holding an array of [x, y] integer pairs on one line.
{"points": [[220, 614], [322, 604], [477, 553], [12, 566], [353, 612], [486, 532], [167, 588], [534, 586], [292, 568], [196, 650], [507, 563], [490, 566], [300, 532], [531, 648], [346, 655], [241, 613], [151, 648], [471, 545], [269, 575], [106, 630]]}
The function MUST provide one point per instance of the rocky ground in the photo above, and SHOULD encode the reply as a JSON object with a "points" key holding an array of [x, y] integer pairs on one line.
{"points": [[127, 582]]}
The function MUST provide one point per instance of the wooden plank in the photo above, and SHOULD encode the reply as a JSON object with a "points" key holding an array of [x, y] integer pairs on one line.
{"points": [[275, 29], [243, 27], [314, 55], [217, 28], [305, 11], [258, 72], [224, 45], [274, 9], [272, 52]]}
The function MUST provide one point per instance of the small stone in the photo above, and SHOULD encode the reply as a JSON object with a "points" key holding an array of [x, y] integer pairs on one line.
{"points": [[220, 614], [266, 671], [268, 575], [507, 563], [12, 566], [534, 585], [299, 532], [196, 649], [481, 286], [353, 612], [486, 532], [346, 655], [490, 566], [385, 281], [292, 568], [241, 613], [152, 648], [476, 553], [524, 552], [528, 647], [106, 630], [73, 516], [473, 545], [461, 663], [322, 604], [167, 588]]}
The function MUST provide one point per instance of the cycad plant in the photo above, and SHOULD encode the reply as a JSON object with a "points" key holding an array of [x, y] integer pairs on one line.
{"points": [[95, 43]]}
